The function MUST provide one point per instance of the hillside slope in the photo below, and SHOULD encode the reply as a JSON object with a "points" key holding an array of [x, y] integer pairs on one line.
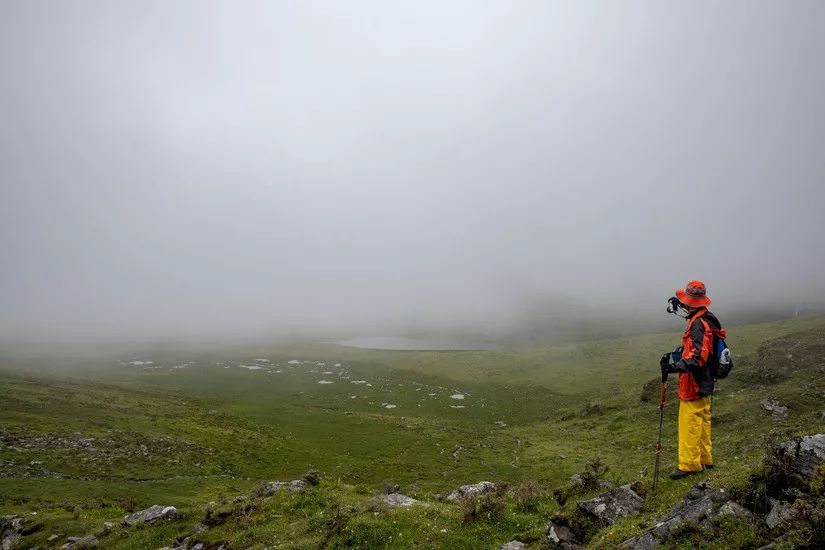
{"points": [[87, 444]]}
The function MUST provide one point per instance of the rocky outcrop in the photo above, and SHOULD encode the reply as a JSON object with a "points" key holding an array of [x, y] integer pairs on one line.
{"points": [[472, 491], [701, 506], [512, 545], [802, 455], [610, 506], [791, 508], [152, 514]]}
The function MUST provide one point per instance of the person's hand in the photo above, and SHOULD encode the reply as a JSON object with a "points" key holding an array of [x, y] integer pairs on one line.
{"points": [[668, 368], [665, 360]]}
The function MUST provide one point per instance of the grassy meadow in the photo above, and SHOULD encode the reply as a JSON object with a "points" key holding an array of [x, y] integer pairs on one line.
{"points": [[83, 441]]}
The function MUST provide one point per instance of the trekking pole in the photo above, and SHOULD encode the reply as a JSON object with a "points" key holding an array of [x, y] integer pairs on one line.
{"points": [[659, 440]]}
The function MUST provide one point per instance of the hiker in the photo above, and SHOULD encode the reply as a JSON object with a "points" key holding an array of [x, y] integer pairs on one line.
{"points": [[696, 377]]}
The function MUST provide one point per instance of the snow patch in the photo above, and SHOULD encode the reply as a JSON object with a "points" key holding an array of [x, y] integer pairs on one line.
{"points": [[457, 396]]}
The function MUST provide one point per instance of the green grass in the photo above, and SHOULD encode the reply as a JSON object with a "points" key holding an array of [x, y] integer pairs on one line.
{"points": [[85, 438]]}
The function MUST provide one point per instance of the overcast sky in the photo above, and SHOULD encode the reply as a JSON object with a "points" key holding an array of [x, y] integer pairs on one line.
{"points": [[185, 168]]}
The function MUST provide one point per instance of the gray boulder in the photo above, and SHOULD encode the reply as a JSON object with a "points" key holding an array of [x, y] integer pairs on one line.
{"points": [[472, 491], [777, 409], [610, 506], [151, 515], [803, 454], [512, 545], [397, 499]]}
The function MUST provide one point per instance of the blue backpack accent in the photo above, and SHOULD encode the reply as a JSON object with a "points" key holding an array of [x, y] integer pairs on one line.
{"points": [[721, 363], [676, 355]]}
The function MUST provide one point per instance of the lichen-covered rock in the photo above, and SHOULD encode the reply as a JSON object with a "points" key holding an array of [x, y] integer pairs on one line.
{"points": [[272, 487], [512, 545], [80, 543], [733, 509], [777, 409], [151, 515], [472, 491], [610, 506], [780, 513], [10, 527], [577, 482], [559, 533], [397, 499]]}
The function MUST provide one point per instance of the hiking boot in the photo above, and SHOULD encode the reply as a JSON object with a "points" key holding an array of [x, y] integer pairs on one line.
{"points": [[707, 466], [679, 474]]}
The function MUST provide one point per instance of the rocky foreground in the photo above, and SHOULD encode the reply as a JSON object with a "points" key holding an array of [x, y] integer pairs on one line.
{"points": [[785, 502]]}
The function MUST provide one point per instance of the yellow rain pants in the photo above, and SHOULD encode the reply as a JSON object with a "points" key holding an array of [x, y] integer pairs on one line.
{"points": [[694, 434]]}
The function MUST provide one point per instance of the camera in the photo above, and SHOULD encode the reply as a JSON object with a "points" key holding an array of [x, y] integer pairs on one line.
{"points": [[674, 304]]}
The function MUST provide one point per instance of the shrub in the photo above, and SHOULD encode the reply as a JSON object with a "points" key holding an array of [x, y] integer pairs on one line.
{"points": [[593, 473], [527, 495], [488, 507]]}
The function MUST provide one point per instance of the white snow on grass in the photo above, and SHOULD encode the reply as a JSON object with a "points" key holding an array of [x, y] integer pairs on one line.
{"points": [[251, 367], [389, 405], [457, 396], [357, 381], [325, 381], [294, 362], [327, 372], [337, 365], [262, 360], [139, 363], [456, 406]]}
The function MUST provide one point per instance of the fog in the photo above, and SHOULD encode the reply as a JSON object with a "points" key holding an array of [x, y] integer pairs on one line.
{"points": [[237, 169]]}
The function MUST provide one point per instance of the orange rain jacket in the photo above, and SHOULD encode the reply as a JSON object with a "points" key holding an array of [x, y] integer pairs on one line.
{"points": [[695, 378]]}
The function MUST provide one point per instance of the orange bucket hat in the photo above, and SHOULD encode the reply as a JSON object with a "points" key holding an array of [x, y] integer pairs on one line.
{"points": [[694, 294]]}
